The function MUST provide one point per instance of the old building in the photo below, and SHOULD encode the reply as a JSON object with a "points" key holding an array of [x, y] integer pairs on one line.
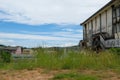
{"points": [[12, 50], [27, 51], [105, 23]]}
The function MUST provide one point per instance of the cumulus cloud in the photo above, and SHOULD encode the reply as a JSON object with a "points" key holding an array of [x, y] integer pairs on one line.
{"points": [[72, 34], [6, 41], [36, 12], [33, 37], [26, 36], [29, 40]]}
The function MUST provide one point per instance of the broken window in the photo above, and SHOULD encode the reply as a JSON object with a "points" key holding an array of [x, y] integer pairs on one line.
{"points": [[114, 15], [116, 19], [118, 13]]}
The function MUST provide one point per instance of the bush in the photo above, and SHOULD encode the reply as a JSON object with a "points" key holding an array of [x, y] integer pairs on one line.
{"points": [[115, 50], [5, 56]]}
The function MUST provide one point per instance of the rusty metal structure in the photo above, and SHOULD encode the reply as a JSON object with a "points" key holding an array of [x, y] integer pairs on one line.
{"points": [[102, 29]]}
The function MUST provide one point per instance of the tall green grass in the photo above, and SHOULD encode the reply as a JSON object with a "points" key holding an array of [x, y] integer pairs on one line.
{"points": [[73, 76], [58, 59], [78, 60]]}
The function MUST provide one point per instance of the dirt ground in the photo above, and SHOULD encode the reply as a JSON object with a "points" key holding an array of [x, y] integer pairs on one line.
{"points": [[103, 74], [40, 74], [36, 74]]}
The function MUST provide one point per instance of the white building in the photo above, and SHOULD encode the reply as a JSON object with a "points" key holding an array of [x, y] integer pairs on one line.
{"points": [[105, 21]]}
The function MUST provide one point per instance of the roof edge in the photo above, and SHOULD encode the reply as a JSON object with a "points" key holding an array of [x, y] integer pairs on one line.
{"points": [[98, 11]]}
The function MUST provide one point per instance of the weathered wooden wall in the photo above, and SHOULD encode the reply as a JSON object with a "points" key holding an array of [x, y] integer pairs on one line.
{"points": [[101, 23], [106, 20]]}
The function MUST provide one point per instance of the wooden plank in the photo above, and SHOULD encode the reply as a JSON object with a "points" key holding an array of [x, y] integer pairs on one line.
{"points": [[98, 24], [94, 27], [103, 21], [109, 21]]}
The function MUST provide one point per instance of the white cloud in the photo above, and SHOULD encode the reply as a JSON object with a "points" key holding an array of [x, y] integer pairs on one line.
{"points": [[48, 11], [66, 33], [69, 30], [27, 39], [73, 30], [70, 35], [31, 37], [6, 41]]}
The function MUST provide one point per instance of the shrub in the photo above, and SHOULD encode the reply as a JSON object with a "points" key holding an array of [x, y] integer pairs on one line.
{"points": [[5, 56], [115, 50]]}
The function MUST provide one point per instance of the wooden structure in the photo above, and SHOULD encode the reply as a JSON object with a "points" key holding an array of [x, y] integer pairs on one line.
{"points": [[103, 26]]}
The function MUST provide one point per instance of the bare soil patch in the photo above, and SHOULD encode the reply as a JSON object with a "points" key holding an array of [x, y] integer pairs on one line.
{"points": [[103, 74], [41, 74], [36, 74]]}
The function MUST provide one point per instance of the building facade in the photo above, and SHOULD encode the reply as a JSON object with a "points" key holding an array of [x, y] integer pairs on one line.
{"points": [[105, 21]]}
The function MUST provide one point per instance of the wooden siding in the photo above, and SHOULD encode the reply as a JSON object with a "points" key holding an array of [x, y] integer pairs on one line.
{"points": [[94, 27], [98, 24], [84, 32], [87, 27], [109, 21], [103, 21]]}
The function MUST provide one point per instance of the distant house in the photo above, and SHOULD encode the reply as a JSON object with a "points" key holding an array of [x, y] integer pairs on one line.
{"points": [[16, 50], [12, 50], [27, 51]]}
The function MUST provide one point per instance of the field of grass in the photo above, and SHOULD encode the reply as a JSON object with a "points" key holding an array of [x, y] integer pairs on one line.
{"points": [[73, 61], [74, 76]]}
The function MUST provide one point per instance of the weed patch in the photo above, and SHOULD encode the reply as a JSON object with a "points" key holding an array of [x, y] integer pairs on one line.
{"points": [[74, 76], [71, 60]]}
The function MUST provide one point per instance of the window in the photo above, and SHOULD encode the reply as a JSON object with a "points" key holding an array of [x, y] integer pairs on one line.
{"points": [[117, 25], [116, 19], [114, 12], [118, 14], [115, 28], [114, 16]]}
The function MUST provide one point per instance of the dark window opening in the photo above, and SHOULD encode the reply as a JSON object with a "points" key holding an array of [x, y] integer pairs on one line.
{"points": [[116, 19]]}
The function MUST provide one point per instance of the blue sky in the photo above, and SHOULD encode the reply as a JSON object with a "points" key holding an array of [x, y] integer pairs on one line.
{"points": [[44, 22], [39, 35]]}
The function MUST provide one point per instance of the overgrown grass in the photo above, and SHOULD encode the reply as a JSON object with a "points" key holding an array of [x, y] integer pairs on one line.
{"points": [[71, 60], [73, 76]]}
